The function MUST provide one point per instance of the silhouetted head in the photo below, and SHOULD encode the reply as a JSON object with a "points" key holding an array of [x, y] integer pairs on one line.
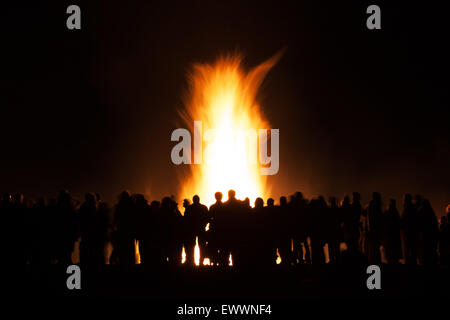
{"points": [[98, 197], [246, 202], [259, 203], [332, 201], [392, 203], [407, 199], [186, 203], [196, 199], [283, 201], [376, 196], [231, 194], [166, 202], [447, 210], [173, 202], [63, 197], [154, 204], [322, 200], [417, 201], [270, 202], [356, 197], [124, 196], [426, 204], [140, 200], [218, 195], [299, 195], [345, 201], [89, 197]]}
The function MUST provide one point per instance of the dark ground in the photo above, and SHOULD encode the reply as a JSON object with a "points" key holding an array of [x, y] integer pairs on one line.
{"points": [[328, 291], [209, 284]]}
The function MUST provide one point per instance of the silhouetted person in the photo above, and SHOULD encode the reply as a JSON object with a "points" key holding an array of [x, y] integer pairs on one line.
{"points": [[39, 240], [195, 219], [410, 227], [444, 240], [269, 239], [259, 204], [145, 227], [67, 227], [255, 238], [351, 257], [333, 230], [10, 235], [173, 236], [417, 201], [348, 223], [391, 235], [300, 229], [104, 229], [53, 229], [186, 203], [21, 216], [317, 211], [375, 229], [430, 232], [245, 241], [283, 226], [88, 230], [234, 226], [353, 222], [217, 233], [222, 227], [125, 222], [25, 225]]}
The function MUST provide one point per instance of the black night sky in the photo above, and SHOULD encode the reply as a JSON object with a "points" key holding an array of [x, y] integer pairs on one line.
{"points": [[358, 109]]}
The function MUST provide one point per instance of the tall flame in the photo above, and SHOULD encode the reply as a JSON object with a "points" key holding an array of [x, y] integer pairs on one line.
{"points": [[223, 97], [137, 254]]}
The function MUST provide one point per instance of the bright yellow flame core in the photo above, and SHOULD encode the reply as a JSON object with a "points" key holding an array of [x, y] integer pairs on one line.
{"points": [[196, 252], [223, 97]]}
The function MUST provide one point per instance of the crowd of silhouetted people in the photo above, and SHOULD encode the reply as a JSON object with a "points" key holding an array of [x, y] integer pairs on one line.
{"points": [[295, 231]]}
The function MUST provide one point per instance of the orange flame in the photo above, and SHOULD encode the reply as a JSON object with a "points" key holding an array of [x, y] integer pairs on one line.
{"points": [[278, 261], [196, 255], [137, 254], [223, 97]]}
